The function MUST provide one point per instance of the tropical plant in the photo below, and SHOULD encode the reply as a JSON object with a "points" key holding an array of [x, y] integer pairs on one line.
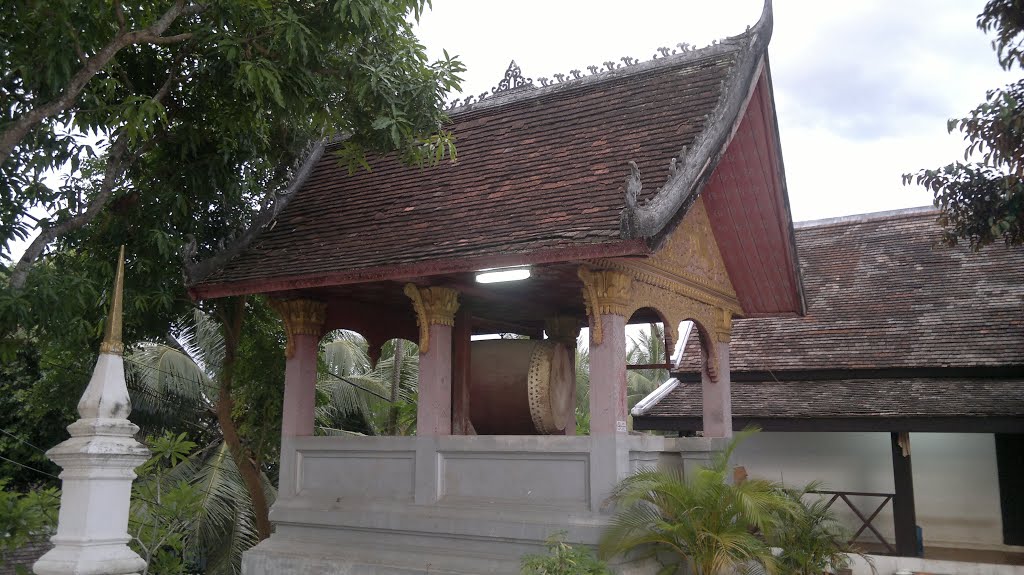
{"points": [[582, 387], [185, 379], [357, 397], [563, 559], [163, 511], [647, 348], [25, 517], [701, 521], [813, 541]]}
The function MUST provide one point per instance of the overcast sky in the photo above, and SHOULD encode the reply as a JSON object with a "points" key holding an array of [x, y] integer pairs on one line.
{"points": [[863, 90]]}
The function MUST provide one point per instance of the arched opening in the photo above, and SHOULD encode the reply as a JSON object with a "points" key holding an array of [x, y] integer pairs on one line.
{"points": [[365, 388]]}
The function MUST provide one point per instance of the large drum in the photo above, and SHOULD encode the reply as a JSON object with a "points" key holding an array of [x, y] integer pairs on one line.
{"points": [[520, 387]]}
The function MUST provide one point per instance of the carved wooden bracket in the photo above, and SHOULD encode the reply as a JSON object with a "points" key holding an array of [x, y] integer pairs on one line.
{"points": [[433, 306], [301, 317], [604, 292]]}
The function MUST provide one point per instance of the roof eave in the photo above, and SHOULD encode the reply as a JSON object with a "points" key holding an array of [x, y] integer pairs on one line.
{"points": [[698, 161], [197, 272], [621, 248]]}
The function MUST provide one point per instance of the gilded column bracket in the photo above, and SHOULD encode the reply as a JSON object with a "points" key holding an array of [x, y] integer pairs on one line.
{"points": [[301, 317], [624, 291], [433, 306], [604, 292]]}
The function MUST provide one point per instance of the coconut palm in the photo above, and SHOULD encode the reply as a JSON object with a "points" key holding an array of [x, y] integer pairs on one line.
{"points": [[177, 380], [702, 521], [180, 380], [645, 349], [582, 388], [355, 397]]}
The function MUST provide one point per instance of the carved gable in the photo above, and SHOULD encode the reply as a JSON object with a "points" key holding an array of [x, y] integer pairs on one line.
{"points": [[688, 263], [690, 255]]}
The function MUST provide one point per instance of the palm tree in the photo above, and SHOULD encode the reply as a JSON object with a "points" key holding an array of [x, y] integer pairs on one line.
{"points": [[582, 388], [814, 541], [355, 397], [645, 349], [702, 521], [177, 381]]}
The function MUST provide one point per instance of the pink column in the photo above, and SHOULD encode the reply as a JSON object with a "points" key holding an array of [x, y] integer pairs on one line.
{"points": [[435, 309], [717, 395], [304, 323], [434, 403], [608, 377], [300, 387]]}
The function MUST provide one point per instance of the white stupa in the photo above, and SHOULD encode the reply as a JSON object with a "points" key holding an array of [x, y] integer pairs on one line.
{"points": [[98, 465]]}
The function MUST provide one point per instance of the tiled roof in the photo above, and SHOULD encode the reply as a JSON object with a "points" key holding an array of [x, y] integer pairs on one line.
{"points": [[540, 172], [883, 294], [920, 397]]}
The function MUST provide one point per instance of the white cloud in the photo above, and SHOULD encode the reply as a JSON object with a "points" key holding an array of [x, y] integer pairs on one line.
{"points": [[863, 90]]}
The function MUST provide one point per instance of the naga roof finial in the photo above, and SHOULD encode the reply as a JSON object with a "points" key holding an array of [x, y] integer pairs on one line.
{"points": [[112, 335]]}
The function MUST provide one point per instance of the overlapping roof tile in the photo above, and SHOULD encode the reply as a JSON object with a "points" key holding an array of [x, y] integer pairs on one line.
{"points": [[542, 171], [882, 293]]}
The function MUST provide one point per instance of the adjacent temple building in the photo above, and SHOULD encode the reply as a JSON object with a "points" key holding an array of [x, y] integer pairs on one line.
{"points": [[643, 192]]}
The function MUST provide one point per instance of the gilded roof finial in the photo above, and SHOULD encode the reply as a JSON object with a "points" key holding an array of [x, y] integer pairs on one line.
{"points": [[112, 336]]}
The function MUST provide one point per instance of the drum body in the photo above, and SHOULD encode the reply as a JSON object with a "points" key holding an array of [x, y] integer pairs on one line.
{"points": [[520, 387]]}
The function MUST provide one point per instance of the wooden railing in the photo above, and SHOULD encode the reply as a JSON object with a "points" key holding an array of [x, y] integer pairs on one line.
{"points": [[866, 520]]}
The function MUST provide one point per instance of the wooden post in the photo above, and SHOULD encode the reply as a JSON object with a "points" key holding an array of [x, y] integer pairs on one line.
{"points": [[461, 358], [904, 515], [607, 297]]}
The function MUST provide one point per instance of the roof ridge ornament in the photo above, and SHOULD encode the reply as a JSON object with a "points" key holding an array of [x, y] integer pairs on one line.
{"points": [[682, 48], [513, 80]]}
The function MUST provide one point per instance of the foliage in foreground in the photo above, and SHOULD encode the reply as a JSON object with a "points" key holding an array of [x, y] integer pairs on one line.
{"points": [[812, 541], [26, 517], [703, 521], [563, 559], [983, 201]]}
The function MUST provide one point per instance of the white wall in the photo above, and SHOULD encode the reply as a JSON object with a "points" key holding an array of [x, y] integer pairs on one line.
{"points": [[956, 489]]}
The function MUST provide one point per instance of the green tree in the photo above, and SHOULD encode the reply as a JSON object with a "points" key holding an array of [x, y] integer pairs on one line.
{"points": [[120, 98], [357, 397], [983, 201], [26, 517], [647, 348], [703, 521], [193, 375]]}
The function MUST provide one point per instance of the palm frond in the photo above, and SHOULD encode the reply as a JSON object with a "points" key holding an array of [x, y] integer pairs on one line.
{"points": [[701, 519]]}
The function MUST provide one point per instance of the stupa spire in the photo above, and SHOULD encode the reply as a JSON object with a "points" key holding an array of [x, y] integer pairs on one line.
{"points": [[112, 334]]}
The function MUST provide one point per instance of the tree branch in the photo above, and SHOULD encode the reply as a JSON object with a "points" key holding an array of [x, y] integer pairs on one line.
{"points": [[21, 127], [116, 161]]}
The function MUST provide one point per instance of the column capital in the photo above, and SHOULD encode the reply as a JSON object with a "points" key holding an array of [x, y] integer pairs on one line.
{"points": [[604, 292], [301, 317], [433, 306]]}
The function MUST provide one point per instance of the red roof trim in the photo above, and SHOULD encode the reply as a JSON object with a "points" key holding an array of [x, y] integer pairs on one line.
{"points": [[637, 247]]}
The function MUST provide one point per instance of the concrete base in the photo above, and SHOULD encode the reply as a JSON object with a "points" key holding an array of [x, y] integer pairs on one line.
{"points": [[454, 505]]}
